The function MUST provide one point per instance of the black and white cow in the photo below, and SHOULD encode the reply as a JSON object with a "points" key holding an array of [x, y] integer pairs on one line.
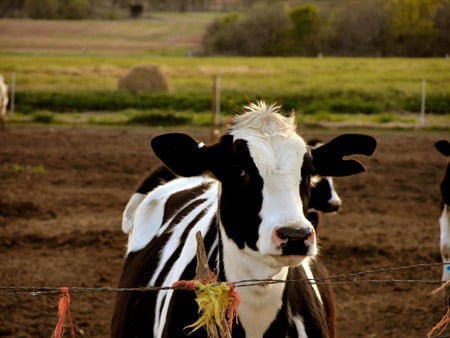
{"points": [[443, 147], [324, 197], [252, 216]]}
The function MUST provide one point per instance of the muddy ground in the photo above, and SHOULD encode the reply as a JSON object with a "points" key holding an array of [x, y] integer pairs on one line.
{"points": [[63, 191]]}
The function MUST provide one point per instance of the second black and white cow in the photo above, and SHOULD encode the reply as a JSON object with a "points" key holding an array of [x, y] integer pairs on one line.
{"points": [[443, 147], [252, 216]]}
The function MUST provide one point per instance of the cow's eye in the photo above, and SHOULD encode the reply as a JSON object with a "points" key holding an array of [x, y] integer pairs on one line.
{"points": [[239, 172], [241, 175]]}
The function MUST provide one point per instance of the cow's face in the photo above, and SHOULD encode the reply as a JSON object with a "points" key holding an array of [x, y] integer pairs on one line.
{"points": [[264, 195], [324, 196], [265, 170]]}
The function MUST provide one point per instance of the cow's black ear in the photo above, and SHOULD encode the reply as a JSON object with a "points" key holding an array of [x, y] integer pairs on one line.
{"points": [[443, 146], [329, 159], [218, 156], [180, 153], [186, 157]]}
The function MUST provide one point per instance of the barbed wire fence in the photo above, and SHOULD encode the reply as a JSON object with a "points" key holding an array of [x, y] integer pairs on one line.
{"points": [[356, 278], [338, 279]]}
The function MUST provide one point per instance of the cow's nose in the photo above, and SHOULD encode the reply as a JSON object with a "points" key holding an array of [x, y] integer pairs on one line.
{"points": [[334, 206], [295, 241]]}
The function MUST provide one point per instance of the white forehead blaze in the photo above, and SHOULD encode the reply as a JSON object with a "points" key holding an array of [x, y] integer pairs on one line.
{"points": [[278, 153]]}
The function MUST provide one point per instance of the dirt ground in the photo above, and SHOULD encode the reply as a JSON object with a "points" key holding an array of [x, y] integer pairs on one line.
{"points": [[63, 190]]}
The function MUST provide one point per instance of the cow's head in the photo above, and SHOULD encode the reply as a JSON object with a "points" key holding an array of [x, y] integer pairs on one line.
{"points": [[264, 168], [443, 147]]}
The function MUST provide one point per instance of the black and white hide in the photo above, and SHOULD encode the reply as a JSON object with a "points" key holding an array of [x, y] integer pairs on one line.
{"points": [[248, 195], [324, 197]]}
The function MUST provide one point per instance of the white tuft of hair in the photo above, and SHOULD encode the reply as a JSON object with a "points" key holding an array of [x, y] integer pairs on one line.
{"points": [[264, 118]]}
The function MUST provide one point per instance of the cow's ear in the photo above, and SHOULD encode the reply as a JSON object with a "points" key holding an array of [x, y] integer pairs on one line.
{"points": [[187, 157], [329, 159], [443, 147]]}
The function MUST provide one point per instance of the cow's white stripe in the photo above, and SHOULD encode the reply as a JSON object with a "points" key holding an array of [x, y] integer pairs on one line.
{"points": [[174, 241], [309, 275], [186, 255], [298, 322], [130, 211], [149, 214]]}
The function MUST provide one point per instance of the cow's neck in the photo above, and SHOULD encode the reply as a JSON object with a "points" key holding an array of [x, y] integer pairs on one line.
{"points": [[241, 265]]}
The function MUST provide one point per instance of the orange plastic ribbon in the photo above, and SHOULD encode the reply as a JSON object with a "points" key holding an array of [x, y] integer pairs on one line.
{"points": [[63, 309]]}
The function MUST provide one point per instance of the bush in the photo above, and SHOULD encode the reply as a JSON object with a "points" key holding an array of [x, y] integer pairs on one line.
{"points": [[308, 103], [136, 10], [222, 36], [159, 119], [144, 79], [258, 33], [62, 9], [304, 22], [360, 29], [263, 29], [43, 117], [27, 102], [43, 9], [74, 9]]}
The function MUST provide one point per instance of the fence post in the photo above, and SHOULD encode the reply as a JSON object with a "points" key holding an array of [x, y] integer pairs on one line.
{"points": [[422, 103], [215, 107]]}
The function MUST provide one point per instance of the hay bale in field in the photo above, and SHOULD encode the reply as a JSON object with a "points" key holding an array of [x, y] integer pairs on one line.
{"points": [[144, 79]]}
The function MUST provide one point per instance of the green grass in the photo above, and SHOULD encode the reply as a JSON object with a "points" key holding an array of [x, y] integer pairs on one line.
{"points": [[248, 76], [310, 85]]}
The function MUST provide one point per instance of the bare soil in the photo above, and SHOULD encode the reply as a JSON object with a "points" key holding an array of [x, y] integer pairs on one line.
{"points": [[63, 191]]}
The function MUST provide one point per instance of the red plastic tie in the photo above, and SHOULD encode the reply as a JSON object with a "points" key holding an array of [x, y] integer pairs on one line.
{"points": [[63, 309]]}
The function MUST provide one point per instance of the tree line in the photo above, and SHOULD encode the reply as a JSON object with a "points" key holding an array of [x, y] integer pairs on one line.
{"points": [[419, 28]]}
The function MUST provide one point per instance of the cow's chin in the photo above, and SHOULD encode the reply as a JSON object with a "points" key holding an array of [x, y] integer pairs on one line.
{"points": [[288, 260]]}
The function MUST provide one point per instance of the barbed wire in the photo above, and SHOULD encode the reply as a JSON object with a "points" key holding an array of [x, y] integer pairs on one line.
{"points": [[339, 279]]}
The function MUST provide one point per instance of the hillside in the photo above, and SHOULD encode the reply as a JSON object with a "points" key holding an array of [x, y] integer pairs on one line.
{"points": [[166, 34]]}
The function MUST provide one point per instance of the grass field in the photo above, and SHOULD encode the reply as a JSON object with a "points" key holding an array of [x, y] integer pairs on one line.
{"points": [[77, 58], [249, 76]]}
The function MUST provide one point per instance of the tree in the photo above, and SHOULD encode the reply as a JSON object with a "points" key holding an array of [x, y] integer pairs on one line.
{"points": [[411, 26], [442, 28], [44, 9], [73, 9], [260, 32], [263, 29], [303, 26], [361, 29]]}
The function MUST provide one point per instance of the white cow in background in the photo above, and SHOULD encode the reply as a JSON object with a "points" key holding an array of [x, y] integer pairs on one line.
{"points": [[443, 146], [3, 101]]}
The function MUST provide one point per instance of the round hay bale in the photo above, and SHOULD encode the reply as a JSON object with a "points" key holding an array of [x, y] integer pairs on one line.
{"points": [[144, 79]]}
